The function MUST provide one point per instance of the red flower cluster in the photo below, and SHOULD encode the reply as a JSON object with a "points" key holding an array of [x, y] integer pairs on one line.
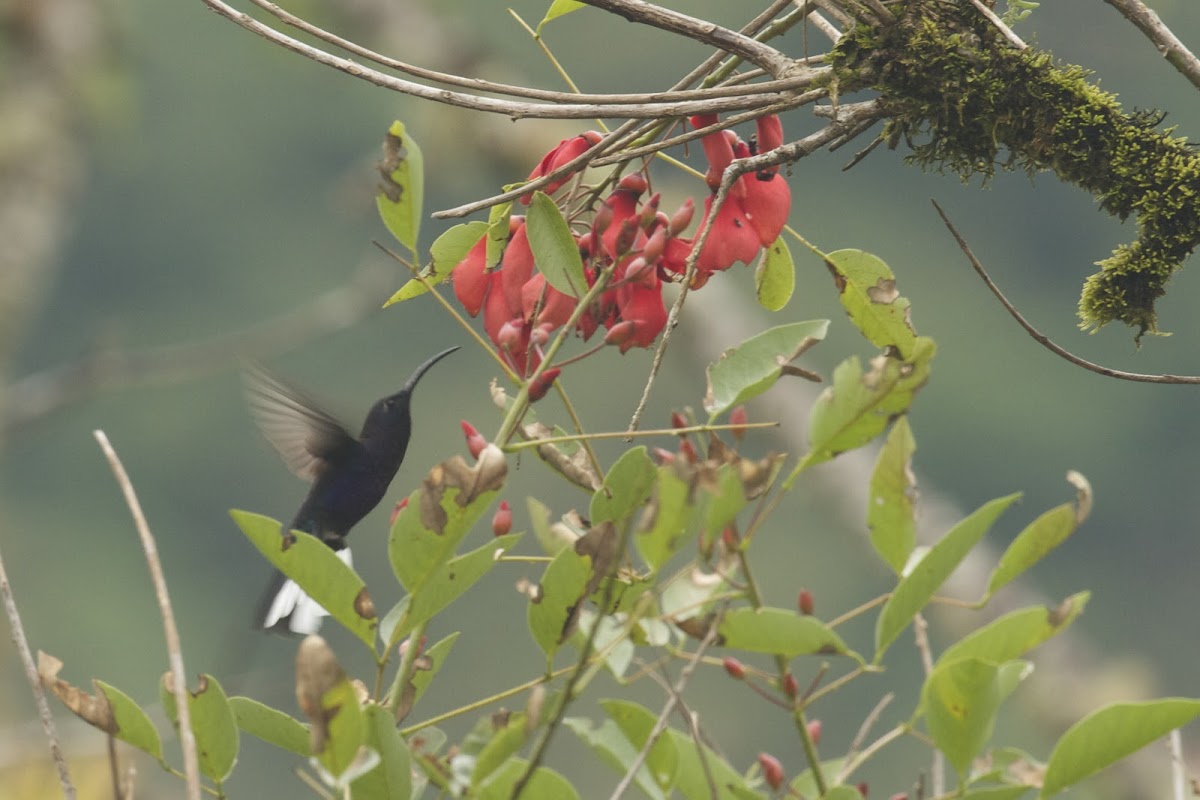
{"points": [[633, 238]]}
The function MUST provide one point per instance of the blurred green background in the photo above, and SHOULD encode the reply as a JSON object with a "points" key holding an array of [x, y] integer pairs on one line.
{"points": [[217, 182]]}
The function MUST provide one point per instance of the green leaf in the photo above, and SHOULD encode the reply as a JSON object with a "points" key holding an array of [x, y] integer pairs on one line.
{"points": [[497, 232], [914, 589], [1032, 545], [555, 250], [347, 729], [891, 517], [317, 570], [695, 763], [402, 192], [615, 750], [504, 743], [133, 725], [558, 9], [560, 591], [215, 728], [436, 656], [720, 503], [453, 496], [996, 793], [636, 723], [626, 488], [669, 526], [748, 370], [611, 639], [775, 276], [448, 582], [1016, 633], [805, 784], [1106, 736], [960, 700], [391, 778], [448, 250], [544, 783], [842, 793], [779, 632], [539, 519], [868, 292], [858, 406], [688, 591], [270, 725]]}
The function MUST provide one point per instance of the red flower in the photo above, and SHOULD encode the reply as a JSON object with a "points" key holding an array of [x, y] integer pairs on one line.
{"points": [[567, 150]]}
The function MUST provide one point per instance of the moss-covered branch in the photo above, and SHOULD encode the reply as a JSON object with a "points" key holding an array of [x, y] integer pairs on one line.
{"points": [[966, 101]]}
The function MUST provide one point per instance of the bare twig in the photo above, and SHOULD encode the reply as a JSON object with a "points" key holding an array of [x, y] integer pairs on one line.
{"points": [[660, 724], [187, 739], [35, 684], [1045, 340], [999, 25], [921, 635], [1166, 42], [1178, 767], [865, 728]]}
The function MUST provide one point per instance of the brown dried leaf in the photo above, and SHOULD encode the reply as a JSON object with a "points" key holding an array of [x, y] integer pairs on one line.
{"points": [[317, 671], [92, 709], [600, 545], [487, 474]]}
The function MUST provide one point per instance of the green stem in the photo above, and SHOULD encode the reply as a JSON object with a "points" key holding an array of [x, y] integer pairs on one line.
{"points": [[405, 672]]}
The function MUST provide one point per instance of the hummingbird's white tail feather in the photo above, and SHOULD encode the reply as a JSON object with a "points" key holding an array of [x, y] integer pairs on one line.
{"points": [[295, 610]]}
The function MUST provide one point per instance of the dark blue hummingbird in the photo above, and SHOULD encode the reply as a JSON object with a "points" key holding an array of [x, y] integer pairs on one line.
{"points": [[349, 474]]}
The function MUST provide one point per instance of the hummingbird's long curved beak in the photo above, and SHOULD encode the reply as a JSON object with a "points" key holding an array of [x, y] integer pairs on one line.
{"points": [[420, 371]]}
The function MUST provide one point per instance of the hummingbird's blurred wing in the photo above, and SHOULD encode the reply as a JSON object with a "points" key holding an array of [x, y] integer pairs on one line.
{"points": [[307, 437]]}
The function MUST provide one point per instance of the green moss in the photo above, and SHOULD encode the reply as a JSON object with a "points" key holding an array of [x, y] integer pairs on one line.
{"points": [[965, 101]]}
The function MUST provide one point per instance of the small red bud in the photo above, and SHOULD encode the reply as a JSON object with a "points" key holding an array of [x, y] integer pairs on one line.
{"points": [[509, 335], [540, 335], [626, 237], [688, 451], [638, 271], [602, 219], [862, 788], [650, 211], [619, 334], [653, 249], [730, 537], [663, 456], [475, 440], [678, 420], [737, 417], [396, 511], [735, 668], [682, 217], [899, 796], [772, 770], [539, 387], [806, 603], [814, 731], [502, 519], [633, 182], [790, 686]]}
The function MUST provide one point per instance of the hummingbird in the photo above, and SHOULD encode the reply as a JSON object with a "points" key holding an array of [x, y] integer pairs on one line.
{"points": [[349, 474]]}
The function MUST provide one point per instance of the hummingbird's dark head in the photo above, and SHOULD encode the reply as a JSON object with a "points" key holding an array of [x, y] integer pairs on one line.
{"points": [[390, 416]]}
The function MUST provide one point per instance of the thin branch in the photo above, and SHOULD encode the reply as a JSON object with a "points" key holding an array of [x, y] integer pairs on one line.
{"points": [[512, 109], [660, 724], [869, 722], [35, 684], [999, 25], [482, 85], [187, 739], [1166, 42], [1042, 338], [700, 30]]}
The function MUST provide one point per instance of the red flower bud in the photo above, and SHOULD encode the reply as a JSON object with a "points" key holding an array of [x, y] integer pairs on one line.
{"points": [[475, 440], [737, 417], [682, 217], [650, 211], [663, 456], [688, 452], [862, 788], [625, 237], [539, 387], [510, 335], [790, 686], [729, 536], [633, 182], [620, 334], [502, 519], [805, 601], [678, 420], [772, 770], [403, 504], [735, 668], [639, 272], [814, 731], [602, 219], [652, 250]]}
